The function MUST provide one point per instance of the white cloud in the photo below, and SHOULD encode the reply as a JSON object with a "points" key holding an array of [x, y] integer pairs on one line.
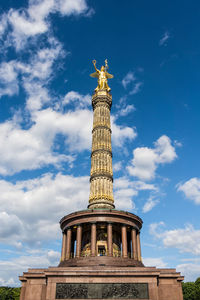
{"points": [[143, 164], [117, 166], [125, 190], [136, 88], [76, 127], [126, 110], [177, 143], [155, 229], [190, 271], [11, 269], [140, 185], [40, 66], [9, 282], [70, 7], [163, 41], [122, 101], [146, 160], [185, 239], [38, 95], [27, 205], [8, 79], [33, 21], [154, 262], [3, 24], [120, 133], [35, 75], [123, 198], [10, 225], [81, 100], [25, 24], [151, 202], [130, 77], [191, 189], [131, 80], [33, 148], [27, 149], [32, 145], [34, 207], [164, 149]]}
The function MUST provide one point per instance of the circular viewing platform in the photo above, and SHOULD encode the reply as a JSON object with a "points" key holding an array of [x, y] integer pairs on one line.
{"points": [[101, 236]]}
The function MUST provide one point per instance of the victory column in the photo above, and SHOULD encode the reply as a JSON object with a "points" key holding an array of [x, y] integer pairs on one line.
{"points": [[101, 252]]}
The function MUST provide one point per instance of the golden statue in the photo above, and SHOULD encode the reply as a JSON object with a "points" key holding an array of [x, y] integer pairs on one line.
{"points": [[102, 76]]}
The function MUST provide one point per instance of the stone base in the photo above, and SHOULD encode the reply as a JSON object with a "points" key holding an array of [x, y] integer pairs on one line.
{"points": [[107, 261], [106, 282]]}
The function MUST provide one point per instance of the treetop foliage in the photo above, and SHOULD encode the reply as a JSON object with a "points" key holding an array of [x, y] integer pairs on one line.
{"points": [[191, 290], [9, 293]]}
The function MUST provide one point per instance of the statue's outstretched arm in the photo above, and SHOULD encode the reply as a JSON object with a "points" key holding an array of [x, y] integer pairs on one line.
{"points": [[94, 63]]}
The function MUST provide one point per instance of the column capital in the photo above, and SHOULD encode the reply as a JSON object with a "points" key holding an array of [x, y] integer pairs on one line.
{"points": [[66, 228], [136, 229]]}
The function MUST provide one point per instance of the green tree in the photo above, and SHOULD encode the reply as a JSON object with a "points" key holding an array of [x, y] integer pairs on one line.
{"points": [[9, 293], [197, 285], [16, 293], [197, 282], [6, 293], [191, 290]]}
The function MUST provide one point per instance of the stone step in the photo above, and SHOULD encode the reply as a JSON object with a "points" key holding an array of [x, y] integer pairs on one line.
{"points": [[101, 261]]}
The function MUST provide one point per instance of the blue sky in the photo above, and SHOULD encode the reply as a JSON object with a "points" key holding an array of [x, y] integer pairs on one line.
{"points": [[153, 51]]}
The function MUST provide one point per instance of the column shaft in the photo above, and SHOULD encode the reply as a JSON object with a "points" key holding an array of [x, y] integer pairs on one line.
{"points": [[63, 253], [78, 240], [68, 243], [101, 174], [138, 247], [93, 239], [109, 240], [124, 241], [134, 244]]}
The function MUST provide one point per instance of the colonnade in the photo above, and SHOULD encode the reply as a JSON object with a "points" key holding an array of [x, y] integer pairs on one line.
{"points": [[135, 242]]}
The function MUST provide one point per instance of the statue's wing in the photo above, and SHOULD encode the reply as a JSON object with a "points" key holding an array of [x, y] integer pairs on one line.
{"points": [[110, 76], [94, 75]]}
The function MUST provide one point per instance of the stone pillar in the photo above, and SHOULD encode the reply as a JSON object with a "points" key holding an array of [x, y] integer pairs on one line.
{"points": [[68, 243], [63, 252], [124, 241], [78, 240], [109, 239], [134, 244], [93, 239], [23, 290], [138, 246]]}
